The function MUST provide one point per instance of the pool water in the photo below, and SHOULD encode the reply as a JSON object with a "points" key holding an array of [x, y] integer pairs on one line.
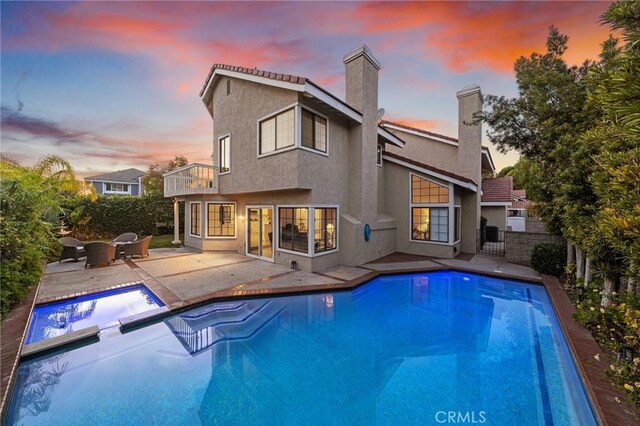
{"points": [[103, 309], [433, 348]]}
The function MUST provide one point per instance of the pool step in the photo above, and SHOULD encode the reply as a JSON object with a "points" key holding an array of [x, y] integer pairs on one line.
{"points": [[223, 325]]}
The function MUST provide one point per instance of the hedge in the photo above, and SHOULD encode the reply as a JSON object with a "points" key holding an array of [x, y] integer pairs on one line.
{"points": [[114, 215], [549, 258]]}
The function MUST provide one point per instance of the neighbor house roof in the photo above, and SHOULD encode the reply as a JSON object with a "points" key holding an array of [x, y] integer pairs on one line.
{"points": [[128, 175], [497, 190], [434, 171], [519, 199], [292, 82]]}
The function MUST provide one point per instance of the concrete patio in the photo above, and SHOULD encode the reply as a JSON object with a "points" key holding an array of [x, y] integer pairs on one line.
{"points": [[182, 275]]}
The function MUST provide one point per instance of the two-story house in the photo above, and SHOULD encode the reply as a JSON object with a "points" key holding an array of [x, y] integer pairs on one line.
{"points": [[301, 175], [122, 182]]}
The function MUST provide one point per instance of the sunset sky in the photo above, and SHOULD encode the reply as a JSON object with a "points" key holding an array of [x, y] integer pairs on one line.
{"points": [[115, 85]]}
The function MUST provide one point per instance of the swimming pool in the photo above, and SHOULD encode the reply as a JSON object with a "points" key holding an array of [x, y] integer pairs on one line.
{"points": [[406, 349], [103, 309]]}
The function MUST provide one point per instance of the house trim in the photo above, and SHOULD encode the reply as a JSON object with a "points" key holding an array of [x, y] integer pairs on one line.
{"points": [[206, 221], [467, 185], [495, 203]]}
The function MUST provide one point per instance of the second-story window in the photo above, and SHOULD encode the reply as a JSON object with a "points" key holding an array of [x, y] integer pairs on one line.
{"points": [[277, 132], [314, 131], [224, 152], [379, 156]]}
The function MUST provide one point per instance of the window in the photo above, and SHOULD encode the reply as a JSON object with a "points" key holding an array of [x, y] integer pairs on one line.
{"points": [[314, 131], [430, 224], [424, 191], [325, 230], [224, 152], [277, 132], [457, 217], [195, 219], [228, 86], [116, 187], [429, 218], [379, 156], [221, 220], [294, 228]]}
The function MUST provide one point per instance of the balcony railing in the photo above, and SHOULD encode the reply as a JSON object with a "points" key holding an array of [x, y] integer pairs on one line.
{"points": [[191, 179]]}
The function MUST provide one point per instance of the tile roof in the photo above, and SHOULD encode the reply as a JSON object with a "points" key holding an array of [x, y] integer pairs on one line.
{"points": [[519, 199], [497, 189], [428, 167], [128, 175], [254, 71]]}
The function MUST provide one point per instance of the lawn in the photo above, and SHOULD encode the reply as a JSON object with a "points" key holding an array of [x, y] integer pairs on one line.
{"points": [[163, 241]]}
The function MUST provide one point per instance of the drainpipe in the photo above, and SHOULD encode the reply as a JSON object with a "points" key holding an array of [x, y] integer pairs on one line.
{"points": [[176, 222]]}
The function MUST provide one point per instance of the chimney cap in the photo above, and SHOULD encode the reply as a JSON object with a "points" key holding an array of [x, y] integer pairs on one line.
{"points": [[362, 50], [468, 90]]}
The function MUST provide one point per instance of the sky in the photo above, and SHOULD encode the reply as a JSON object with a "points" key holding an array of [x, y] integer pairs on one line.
{"points": [[114, 85]]}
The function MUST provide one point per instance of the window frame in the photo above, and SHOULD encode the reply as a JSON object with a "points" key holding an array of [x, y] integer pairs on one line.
{"points": [[311, 220], [326, 142], [297, 134], [448, 205], [220, 139], [335, 232], [235, 220], [111, 191], [191, 204]]}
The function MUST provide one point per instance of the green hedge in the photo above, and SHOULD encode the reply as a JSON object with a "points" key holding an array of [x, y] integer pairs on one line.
{"points": [[549, 258], [114, 215]]}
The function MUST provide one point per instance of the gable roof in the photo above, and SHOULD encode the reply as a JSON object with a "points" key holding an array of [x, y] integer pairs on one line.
{"points": [[291, 82], [519, 199], [497, 190], [128, 175], [430, 170]]}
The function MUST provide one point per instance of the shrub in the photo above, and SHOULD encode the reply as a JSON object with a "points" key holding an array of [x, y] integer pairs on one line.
{"points": [[549, 258], [111, 216]]}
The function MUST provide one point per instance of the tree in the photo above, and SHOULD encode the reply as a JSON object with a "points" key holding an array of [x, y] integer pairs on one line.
{"points": [[505, 171], [153, 182]]}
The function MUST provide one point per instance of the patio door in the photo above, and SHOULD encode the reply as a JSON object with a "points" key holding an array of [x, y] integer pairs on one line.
{"points": [[260, 232]]}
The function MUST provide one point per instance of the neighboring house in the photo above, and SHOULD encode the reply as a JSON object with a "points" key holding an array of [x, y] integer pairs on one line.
{"points": [[301, 175], [519, 210], [122, 182], [496, 198]]}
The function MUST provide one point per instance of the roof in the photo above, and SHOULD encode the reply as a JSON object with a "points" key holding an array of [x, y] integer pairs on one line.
{"points": [[254, 71], [128, 175], [497, 190], [519, 199], [293, 82], [427, 167], [415, 129]]}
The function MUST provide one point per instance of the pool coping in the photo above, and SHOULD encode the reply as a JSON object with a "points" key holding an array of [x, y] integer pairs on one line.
{"points": [[583, 347]]}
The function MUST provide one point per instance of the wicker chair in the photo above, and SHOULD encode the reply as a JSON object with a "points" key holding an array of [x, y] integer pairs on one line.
{"points": [[99, 253], [138, 248], [71, 249], [127, 237]]}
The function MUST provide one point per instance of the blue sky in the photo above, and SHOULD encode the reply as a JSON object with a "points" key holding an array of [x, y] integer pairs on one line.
{"points": [[112, 85]]}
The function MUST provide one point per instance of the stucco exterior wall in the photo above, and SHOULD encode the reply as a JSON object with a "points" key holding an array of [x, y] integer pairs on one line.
{"points": [[398, 207], [495, 215], [428, 151]]}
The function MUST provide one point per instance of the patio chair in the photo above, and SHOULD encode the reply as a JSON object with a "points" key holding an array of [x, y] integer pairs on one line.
{"points": [[99, 253], [138, 248], [71, 249], [127, 237]]}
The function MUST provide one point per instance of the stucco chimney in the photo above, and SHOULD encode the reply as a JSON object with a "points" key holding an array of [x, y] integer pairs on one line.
{"points": [[469, 135], [470, 162], [361, 74]]}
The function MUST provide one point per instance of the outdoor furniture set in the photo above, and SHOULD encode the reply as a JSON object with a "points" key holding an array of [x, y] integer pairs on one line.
{"points": [[100, 252]]}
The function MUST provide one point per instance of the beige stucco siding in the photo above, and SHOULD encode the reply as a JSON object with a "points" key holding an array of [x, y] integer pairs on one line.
{"points": [[496, 216], [438, 154]]}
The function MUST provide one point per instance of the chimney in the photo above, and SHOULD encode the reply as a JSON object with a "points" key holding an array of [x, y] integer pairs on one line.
{"points": [[470, 163], [361, 73], [469, 135]]}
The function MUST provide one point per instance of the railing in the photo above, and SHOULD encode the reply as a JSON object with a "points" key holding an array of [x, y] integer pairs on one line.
{"points": [[191, 179], [490, 241]]}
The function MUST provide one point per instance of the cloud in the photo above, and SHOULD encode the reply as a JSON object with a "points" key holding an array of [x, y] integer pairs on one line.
{"points": [[416, 122], [467, 36], [13, 121]]}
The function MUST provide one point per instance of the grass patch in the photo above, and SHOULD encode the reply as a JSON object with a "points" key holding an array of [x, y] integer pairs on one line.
{"points": [[163, 241]]}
